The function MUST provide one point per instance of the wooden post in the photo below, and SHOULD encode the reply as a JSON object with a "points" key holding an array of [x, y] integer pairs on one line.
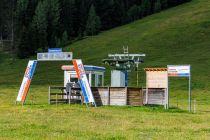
{"points": [[194, 105], [146, 96], [49, 91], [126, 95], [108, 95], [69, 96], [56, 99]]}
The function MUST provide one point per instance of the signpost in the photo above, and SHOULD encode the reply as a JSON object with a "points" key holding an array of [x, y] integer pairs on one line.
{"points": [[52, 55], [87, 93], [181, 71], [26, 81]]}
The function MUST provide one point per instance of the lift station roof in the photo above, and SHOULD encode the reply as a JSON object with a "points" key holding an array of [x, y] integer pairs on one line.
{"points": [[87, 68]]}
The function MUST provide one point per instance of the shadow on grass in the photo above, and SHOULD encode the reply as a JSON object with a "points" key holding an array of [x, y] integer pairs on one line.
{"points": [[146, 108]]}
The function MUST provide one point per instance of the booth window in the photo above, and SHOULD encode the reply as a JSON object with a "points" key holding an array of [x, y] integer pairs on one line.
{"points": [[73, 79], [93, 80], [99, 80]]}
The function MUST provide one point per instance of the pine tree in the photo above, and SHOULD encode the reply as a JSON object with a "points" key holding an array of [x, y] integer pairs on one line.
{"points": [[134, 13], [68, 15], [118, 17], [53, 16], [21, 28], [6, 15], [39, 26], [23, 49], [164, 4], [82, 15], [93, 22], [64, 38], [157, 6], [106, 10], [146, 7]]}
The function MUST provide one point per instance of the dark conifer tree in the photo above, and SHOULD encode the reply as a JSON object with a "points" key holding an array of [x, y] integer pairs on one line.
{"points": [[68, 16], [93, 22], [39, 26], [134, 13], [21, 28], [53, 21], [157, 6]]}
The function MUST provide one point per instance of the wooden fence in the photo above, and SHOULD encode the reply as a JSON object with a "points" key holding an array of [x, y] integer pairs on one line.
{"points": [[118, 96], [154, 96], [113, 96]]}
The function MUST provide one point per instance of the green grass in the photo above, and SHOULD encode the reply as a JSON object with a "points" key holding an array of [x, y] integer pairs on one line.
{"points": [[38, 120], [180, 35]]}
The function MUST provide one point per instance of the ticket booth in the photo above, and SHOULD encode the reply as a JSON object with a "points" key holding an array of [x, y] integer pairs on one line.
{"points": [[95, 75], [156, 86]]}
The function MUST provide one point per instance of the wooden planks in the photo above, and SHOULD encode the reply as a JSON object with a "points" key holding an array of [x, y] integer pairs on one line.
{"points": [[118, 96], [107, 96], [134, 97], [101, 95], [156, 96]]}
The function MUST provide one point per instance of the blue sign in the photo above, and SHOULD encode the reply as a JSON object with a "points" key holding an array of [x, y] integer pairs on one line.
{"points": [[54, 50]]}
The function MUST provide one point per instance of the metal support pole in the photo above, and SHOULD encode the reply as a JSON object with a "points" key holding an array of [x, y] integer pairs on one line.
{"points": [[190, 92], [56, 99], [49, 95], [137, 74], [165, 105], [194, 105], [167, 94], [103, 79]]}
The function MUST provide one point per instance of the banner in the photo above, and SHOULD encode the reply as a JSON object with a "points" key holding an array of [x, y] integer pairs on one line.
{"points": [[55, 56], [26, 81], [87, 93], [179, 70]]}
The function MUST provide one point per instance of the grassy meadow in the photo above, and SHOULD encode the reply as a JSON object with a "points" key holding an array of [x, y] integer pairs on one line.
{"points": [[180, 35]]}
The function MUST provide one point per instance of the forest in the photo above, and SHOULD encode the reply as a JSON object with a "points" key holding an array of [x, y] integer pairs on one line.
{"points": [[36, 25]]}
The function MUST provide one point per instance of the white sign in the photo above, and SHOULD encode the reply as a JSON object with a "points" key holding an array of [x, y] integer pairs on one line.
{"points": [[26, 80], [55, 56], [87, 93], [179, 70], [157, 79]]}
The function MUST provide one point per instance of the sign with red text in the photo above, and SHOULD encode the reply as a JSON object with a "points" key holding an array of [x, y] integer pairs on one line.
{"points": [[179, 70], [26, 81], [85, 87]]}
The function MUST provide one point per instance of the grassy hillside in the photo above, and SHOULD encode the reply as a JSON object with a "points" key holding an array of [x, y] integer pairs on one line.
{"points": [[180, 35]]}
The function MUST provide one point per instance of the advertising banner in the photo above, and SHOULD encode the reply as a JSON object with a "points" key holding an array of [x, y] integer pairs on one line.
{"points": [[55, 56], [26, 81], [87, 93], [179, 70]]}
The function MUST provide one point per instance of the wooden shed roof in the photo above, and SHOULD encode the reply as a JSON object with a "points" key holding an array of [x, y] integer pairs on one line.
{"points": [[155, 69]]}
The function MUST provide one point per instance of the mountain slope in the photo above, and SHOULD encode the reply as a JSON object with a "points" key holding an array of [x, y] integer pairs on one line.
{"points": [[180, 35]]}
